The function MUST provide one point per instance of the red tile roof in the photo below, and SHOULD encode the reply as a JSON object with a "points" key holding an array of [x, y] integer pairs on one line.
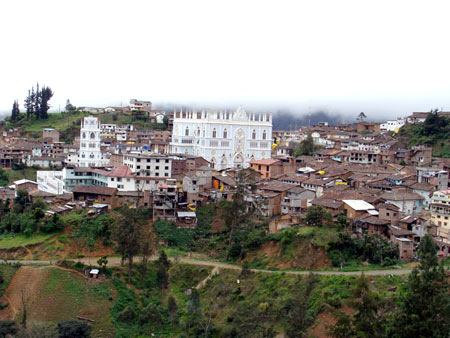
{"points": [[268, 161], [122, 171]]}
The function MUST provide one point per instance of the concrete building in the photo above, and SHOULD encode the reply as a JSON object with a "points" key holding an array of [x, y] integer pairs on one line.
{"points": [[225, 139], [440, 214], [435, 176], [50, 135], [90, 154]]}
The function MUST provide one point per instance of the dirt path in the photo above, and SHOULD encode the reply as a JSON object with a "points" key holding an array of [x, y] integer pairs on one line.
{"points": [[115, 261], [27, 281], [214, 272]]}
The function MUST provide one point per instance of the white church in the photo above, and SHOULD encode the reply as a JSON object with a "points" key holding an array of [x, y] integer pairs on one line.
{"points": [[225, 139], [90, 154]]}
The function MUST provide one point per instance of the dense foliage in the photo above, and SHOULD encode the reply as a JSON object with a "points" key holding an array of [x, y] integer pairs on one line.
{"points": [[421, 308], [435, 132], [372, 248]]}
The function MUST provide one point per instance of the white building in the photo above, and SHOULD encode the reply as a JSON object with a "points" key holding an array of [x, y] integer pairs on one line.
{"points": [[90, 154], [225, 139], [138, 105], [393, 125]]}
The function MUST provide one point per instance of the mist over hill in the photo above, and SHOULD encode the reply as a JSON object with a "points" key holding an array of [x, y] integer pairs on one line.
{"points": [[288, 120]]}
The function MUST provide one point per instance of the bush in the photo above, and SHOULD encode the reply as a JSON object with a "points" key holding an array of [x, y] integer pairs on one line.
{"points": [[127, 315], [168, 232], [73, 329]]}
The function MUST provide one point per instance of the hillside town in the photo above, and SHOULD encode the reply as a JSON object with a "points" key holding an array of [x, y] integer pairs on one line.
{"points": [[360, 170]]}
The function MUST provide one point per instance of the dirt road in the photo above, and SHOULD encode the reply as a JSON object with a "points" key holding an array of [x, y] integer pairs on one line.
{"points": [[25, 284], [115, 261]]}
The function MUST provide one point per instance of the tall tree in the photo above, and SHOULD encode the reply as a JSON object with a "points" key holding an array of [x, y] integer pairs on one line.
{"points": [[29, 105], [45, 95], [424, 309], [130, 233], [37, 101], [15, 112], [361, 117]]}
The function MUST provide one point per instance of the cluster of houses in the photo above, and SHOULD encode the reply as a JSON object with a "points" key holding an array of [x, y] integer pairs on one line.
{"points": [[361, 171]]}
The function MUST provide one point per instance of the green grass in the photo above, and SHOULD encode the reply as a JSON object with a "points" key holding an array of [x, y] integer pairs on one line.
{"points": [[7, 272], [67, 295], [15, 175], [58, 121], [8, 242]]}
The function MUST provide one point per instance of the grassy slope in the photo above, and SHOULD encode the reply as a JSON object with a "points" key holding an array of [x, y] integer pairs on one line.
{"points": [[65, 295], [7, 272], [15, 175], [8, 242], [412, 135]]}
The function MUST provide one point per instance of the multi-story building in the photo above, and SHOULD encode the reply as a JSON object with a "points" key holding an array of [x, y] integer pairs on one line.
{"points": [[225, 139], [393, 125], [137, 105], [90, 154], [149, 165], [440, 214], [434, 176]]}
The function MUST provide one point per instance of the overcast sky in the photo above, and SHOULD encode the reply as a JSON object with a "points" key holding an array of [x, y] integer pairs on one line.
{"points": [[380, 57]]}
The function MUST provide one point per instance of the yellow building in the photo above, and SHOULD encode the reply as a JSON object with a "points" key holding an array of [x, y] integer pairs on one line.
{"points": [[440, 214]]}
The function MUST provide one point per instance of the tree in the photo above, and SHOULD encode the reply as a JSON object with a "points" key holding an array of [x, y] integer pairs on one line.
{"points": [[70, 108], [173, 310], [361, 117], [29, 105], [15, 112], [306, 147], [7, 328], [163, 260], [129, 233], [238, 211], [73, 329], [369, 319], [162, 278], [21, 201], [45, 96], [424, 309], [318, 216], [102, 262]]}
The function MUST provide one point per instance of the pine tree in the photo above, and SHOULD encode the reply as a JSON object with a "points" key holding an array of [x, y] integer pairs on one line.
{"points": [[29, 105], [37, 101], [424, 309], [15, 112], [45, 96]]}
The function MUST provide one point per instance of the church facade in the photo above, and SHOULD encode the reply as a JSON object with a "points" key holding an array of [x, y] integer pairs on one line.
{"points": [[90, 154], [225, 139]]}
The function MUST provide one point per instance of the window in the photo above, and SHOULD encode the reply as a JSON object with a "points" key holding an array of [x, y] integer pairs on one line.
{"points": [[92, 135], [166, 174], [198, 131], [254, 134], [264, 135], [112, 179], [157, 160], [166, 168], [120, 186], [214, 133], [128, 180], [119, 179], [187, 131], [157, 167], [167, 161], [225, 133]]}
